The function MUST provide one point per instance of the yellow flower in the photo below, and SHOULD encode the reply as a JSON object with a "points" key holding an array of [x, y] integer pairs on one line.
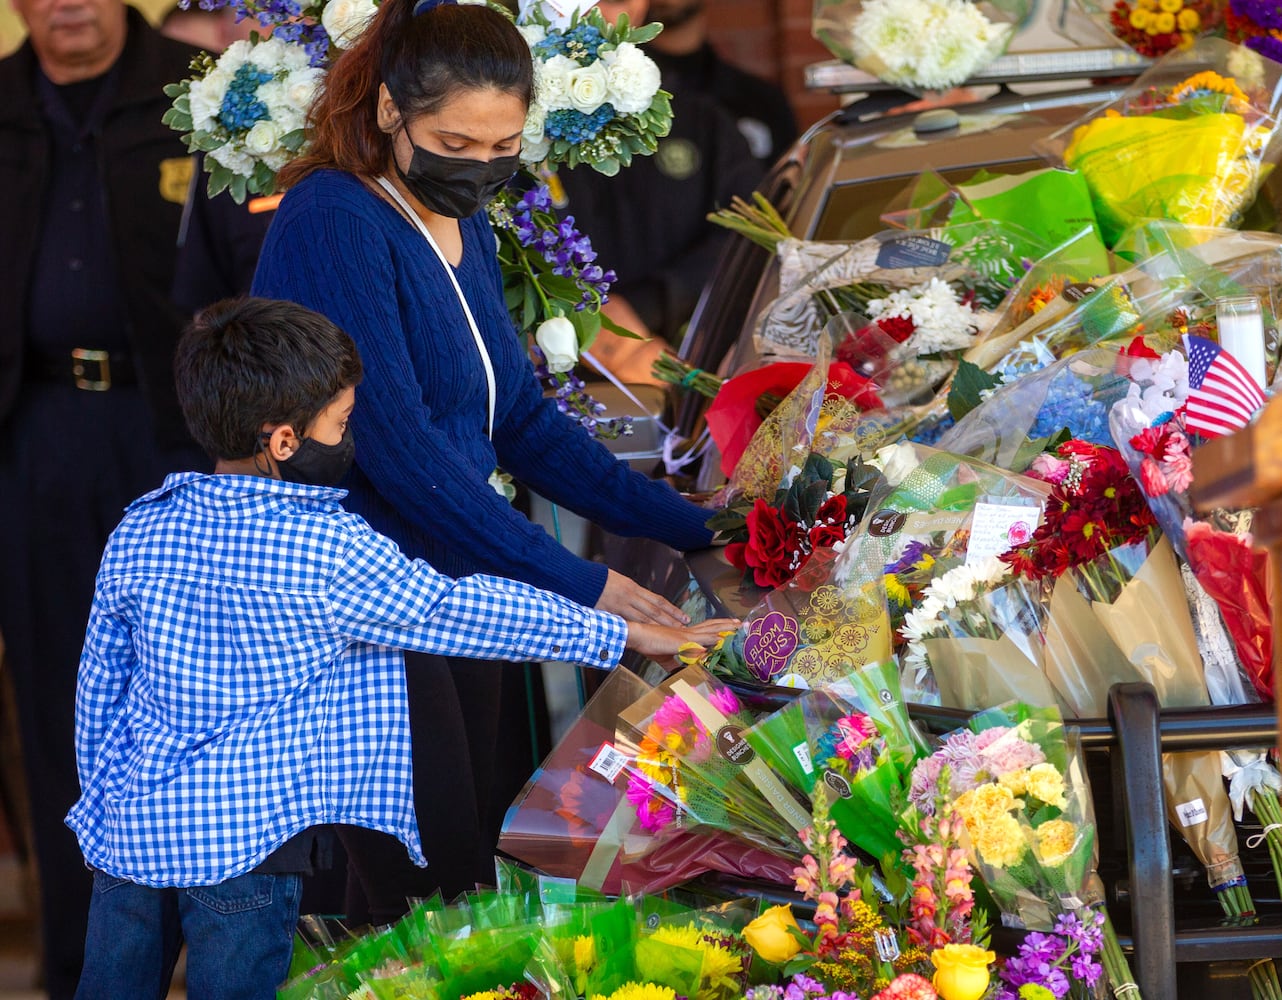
{"points": [[720, 966], [485, 995], [690, 652], [584, 953], [999, 841], [1055, 840], [1139, 19], [770, 935], [1047, 784], [1208, 81], [640, 991], [987, 802], [1164, 22], [961, 971], [1147, 4], [1188, 19], [1170, 6]]}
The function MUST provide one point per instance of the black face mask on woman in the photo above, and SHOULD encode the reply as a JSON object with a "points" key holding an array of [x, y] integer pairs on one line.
{"points": [[452, 185], [317, 464]]}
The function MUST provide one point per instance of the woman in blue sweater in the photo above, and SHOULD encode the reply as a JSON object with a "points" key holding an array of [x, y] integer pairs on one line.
{"points": [[383, 231]]}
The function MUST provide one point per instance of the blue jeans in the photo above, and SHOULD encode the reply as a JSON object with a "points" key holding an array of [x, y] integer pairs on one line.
{"points": [[239, 934]]}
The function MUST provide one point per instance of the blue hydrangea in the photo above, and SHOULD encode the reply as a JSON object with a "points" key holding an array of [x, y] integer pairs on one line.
{"points": [[576, 127], [580, 43], [1072, 403], [241, 108]]}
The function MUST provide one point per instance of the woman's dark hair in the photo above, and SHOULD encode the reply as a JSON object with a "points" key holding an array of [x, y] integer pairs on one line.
{"points": [[246, 362], [425, 60]]}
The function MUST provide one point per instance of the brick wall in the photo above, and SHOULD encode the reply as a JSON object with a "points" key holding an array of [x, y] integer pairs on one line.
{"points": [[772, 39]]}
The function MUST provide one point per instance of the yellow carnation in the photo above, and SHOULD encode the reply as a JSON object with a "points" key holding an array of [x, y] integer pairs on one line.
{"points": [[1165, 22], [1170, 6], [979, 805], [1188, 19], [1046, 784], [1055, 840], [1139, 19], [999, 841]]}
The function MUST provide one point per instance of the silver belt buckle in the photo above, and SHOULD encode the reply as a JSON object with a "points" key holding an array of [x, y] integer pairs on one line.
{"points": [[82, 357]]}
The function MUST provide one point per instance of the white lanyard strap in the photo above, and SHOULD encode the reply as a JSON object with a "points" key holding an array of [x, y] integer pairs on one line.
{"points": [[471, 321]]}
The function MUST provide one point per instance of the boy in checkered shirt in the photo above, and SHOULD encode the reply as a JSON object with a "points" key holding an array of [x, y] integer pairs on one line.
{"points": [[242, 686]]}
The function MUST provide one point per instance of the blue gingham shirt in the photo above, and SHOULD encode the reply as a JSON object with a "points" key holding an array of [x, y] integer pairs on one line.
{"points": [[242, 679]]}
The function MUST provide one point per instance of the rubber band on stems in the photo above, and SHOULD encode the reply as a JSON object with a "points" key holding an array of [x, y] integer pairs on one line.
{"points": [[1256, 839]]}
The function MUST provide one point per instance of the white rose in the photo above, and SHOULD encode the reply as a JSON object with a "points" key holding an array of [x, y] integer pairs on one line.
{"points": [[588, 87], [633, 78], [895, 462], [552, 82], [344, 20], [262, 138], [534, 150], [559, 343]]}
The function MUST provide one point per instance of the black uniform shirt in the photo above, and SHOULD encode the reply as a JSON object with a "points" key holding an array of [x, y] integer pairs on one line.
{"points": [[74, 295]]}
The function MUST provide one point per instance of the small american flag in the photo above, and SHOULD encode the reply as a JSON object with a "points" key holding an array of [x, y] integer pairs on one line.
{"points": [[1222, 394]]}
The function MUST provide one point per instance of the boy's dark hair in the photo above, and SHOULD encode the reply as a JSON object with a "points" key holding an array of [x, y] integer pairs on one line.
{"points": [[245, 362]]}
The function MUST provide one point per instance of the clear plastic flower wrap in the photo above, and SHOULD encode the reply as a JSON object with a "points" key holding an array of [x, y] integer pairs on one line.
{"points": [[918, 44], [855, 737], [1189, 141]]}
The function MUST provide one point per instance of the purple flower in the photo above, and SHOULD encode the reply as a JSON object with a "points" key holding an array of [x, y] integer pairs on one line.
{"points": [[1265, 13]]}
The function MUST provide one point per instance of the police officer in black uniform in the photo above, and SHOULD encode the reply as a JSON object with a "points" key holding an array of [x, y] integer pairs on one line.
{"points": [[92, 186]]}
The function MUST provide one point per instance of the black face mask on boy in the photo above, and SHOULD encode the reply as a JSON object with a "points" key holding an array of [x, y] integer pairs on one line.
{"points": [[317, 464], [454, 186]]}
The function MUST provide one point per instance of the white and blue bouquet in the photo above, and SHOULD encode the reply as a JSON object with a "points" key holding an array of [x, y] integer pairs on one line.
{"points": [[246, 111], [598, 99]]}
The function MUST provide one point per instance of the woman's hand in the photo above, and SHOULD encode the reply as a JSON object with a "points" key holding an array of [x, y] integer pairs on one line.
{"points": [[628, 599], [662, 643]]}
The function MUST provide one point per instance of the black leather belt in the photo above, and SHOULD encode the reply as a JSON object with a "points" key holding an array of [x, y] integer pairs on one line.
{"points": [[83, 367]]}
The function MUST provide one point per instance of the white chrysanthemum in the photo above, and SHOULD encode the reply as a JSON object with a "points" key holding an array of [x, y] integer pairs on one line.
{"points": [[633, 78], [205, 98], [552, 82], [345, 20], [923, 621], [942, 321], [534, 144], [933, 44], [532, 33], [275, 56], [588, 87], [233, 158]]}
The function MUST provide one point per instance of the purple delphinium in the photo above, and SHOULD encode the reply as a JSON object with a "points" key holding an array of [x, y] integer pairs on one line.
{"points": [[558, 242], [1265, 13], [573, 400]]}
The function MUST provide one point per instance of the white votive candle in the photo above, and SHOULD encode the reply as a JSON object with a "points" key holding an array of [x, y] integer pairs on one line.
{"points": [[1240, 325]]}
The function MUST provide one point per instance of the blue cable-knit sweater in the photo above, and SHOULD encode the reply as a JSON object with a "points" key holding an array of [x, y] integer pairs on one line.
{"points": [[422, 458]]}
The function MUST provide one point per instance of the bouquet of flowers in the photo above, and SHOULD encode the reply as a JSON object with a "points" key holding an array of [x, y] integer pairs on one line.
{"points": [[1185, 142], [1153, 28], [246, 110], [597, 95], [922, 44], [693, 767], [770, 542], [854, 737]]}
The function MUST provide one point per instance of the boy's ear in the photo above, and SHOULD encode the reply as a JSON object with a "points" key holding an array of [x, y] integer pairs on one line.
{"points": [[281, 441]]}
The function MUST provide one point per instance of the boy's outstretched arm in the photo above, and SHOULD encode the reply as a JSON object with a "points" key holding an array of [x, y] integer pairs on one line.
{"points": [[663, 642]]}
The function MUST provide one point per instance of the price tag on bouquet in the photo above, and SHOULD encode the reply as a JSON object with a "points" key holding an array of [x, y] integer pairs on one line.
{"points": [[608, 762]]}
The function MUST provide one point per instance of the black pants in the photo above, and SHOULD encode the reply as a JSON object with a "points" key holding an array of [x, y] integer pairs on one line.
{"points": [[470, 723], [70, 461]]}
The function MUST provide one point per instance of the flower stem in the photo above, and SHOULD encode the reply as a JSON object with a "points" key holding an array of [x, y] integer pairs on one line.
{"points": [[1264, 803], [1115, 964]]}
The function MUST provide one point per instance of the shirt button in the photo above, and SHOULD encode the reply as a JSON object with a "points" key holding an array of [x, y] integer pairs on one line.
{"points": [[76, 205], [75, 264], [604, 654], [556, 648]]}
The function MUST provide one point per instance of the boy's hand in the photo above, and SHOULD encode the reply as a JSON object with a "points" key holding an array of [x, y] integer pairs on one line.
{"points": [[662, 643]]}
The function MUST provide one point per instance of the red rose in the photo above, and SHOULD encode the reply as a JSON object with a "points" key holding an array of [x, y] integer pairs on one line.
{"points": [[774, 545]]}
